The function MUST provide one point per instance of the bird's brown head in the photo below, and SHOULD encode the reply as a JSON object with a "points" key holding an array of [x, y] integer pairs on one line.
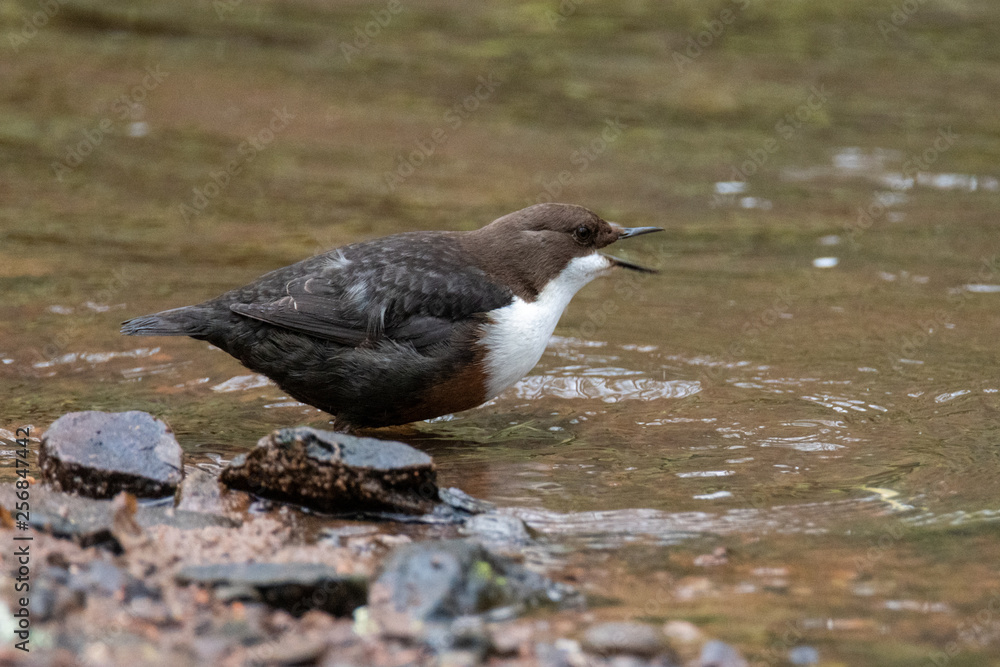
{"points": [[528, 248]]}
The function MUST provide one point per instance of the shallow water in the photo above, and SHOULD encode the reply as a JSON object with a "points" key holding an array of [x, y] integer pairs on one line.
{"points": [[849, 472], [810, 382]]}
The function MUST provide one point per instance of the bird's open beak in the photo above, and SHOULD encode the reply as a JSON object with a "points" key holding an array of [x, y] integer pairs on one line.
{"points": [[629, 265], [629, 232]]}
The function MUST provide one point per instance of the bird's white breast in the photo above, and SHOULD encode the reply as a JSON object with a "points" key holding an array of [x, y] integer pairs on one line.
{"points": [[518, 333]]}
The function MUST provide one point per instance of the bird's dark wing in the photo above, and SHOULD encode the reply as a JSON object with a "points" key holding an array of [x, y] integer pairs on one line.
{"points": [[408, 288]]}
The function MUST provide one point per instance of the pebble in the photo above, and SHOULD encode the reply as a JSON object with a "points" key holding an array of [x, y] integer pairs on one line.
{"points": [[90, 522], [623, 637], [716, 653], [438, 581]]}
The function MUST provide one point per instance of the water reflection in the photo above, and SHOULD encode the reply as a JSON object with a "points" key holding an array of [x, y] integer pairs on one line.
{"points": [[610, 529], [885, 167], [96, 357], [243, 383], [607, 389]]}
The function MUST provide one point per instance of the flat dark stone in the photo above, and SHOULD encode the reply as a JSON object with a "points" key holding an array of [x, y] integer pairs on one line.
{"points": [[100, 454], [336, 473], [437, 581], [88, 521], [294, 587]]}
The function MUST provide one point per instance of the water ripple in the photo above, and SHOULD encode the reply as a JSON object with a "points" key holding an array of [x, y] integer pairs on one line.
{"points": [[97, 357], [611, 528], [243, 383], [607, 389]]}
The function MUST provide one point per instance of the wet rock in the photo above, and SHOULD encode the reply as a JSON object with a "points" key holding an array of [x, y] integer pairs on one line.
{"points": [[720, 654], [104, 579], [459, 641], [51, 599], [430, 582], [499, 528], [452, 506], [90, 522], [294, 587], [202, 492], [336, 473], [100, 454], [151, 611], [623, 638], [59, 591]]}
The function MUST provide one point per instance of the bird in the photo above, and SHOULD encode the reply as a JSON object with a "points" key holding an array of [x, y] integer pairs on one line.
{"points": [[412, 326]]}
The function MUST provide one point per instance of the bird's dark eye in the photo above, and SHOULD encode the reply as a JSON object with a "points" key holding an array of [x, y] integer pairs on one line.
{"points": [[583, 233]]}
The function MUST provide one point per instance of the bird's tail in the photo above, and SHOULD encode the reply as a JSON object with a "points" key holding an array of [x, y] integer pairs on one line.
{"points": [[186, 321]]}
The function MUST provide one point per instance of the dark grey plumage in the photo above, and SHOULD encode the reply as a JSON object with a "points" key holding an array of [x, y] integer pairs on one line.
{"points": [[381, 319]]}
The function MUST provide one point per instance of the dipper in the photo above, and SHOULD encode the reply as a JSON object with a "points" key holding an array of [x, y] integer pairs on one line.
{"points": [[410, 326]]}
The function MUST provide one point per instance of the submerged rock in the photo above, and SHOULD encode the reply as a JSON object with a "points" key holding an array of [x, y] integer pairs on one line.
{"points": [[460, 501], [336, 472], [498, 529], [100, 454], [438, 581], [451, 507], [294, 587], [90, 522]]}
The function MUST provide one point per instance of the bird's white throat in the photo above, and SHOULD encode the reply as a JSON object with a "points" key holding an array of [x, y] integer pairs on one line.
{"points": [[518, 333]]}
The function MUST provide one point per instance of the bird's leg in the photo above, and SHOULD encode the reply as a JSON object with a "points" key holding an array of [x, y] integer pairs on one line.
{"points": [[340, 426]]}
